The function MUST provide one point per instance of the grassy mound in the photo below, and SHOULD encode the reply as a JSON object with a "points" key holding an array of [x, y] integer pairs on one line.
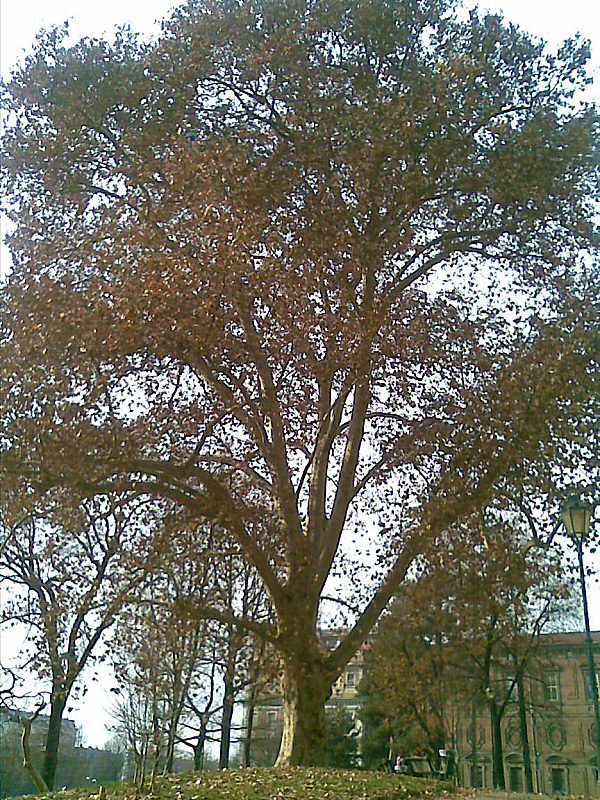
{"points": [[300, 783]]}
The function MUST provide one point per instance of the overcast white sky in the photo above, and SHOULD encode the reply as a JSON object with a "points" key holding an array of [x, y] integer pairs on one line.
{"points": [[553, 20]]}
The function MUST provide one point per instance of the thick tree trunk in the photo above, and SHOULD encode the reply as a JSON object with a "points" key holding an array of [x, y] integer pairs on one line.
{"points": [[201, 742], [497, 752], [169, 758], [156, 745], [306, 688], [53, 740]]}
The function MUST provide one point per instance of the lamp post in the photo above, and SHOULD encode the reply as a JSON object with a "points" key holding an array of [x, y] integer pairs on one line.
{"points": [[576, 516]]}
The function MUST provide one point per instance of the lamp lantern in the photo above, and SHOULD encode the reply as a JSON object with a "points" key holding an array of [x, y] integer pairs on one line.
{"points": [[576, 516]]}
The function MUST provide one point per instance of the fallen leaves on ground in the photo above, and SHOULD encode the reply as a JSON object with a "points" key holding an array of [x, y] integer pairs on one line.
{"points": [[299, 783]]}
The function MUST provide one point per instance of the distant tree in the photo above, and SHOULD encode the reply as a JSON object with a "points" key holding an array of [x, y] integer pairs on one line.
{"points": [[408, 684], [22, 737], [238, 647], [198, 725], [504, 599], [340, 740], [65, 584], [189, 668], [292, 266], [262, 676], [467, 631], [136, 725], [157, 655]]}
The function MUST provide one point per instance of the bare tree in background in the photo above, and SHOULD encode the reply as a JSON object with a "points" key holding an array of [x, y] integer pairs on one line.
{"points": [[64, 584]]}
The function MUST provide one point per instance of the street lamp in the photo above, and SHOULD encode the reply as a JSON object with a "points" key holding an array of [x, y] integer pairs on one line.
{"points": [[576, 516]]}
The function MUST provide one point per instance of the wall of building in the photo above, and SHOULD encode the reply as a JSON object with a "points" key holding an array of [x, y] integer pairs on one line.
{"points": [[560, 726]]}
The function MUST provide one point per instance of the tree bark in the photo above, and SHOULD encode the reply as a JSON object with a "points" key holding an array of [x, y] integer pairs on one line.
{"points": [[228, 702], [249, 726], [53, 739], [474, 771], [169, 757], [306, 688], [524, 734], [252, 696], [171, 739], [40, 783], [200, 744], [497, 753]]}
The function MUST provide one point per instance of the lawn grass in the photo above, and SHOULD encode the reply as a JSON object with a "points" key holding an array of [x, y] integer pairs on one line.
{"points": [[300, 783]]}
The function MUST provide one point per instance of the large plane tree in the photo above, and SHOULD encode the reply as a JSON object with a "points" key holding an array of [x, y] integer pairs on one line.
{"points": [[307, 271]]}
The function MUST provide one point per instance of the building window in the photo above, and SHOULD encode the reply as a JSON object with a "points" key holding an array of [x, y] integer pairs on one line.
{"points": [[588, 684], [552, 687], [477, 776], [516, 779], [558, 777], [351, 680]]}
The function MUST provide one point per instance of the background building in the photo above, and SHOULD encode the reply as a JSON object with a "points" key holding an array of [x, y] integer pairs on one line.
{"points": [[559, 723]]}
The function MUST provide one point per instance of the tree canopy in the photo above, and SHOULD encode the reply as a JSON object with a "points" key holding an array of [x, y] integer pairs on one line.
{"points": [[293, 266]]}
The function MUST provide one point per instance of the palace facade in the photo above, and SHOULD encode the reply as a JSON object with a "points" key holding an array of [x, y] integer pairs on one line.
{"points": [[560, 725]]}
